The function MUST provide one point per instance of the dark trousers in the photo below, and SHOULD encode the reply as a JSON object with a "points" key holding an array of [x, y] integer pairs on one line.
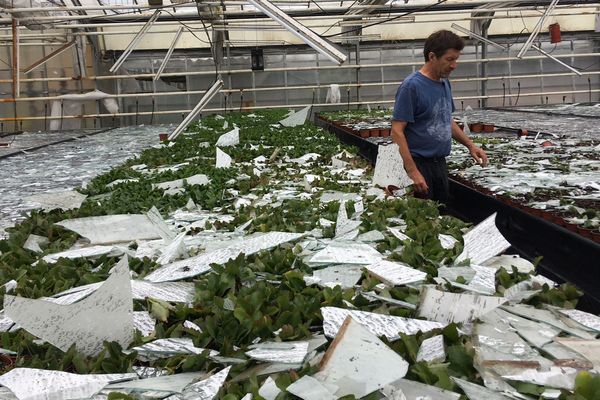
{"points": [[435, 172]]}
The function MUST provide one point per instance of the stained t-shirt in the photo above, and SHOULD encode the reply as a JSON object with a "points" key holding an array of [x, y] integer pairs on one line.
{"points": [[426, 105]]}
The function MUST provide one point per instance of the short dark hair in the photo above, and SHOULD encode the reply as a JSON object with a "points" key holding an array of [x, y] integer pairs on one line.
{"points": [[439, 42]]}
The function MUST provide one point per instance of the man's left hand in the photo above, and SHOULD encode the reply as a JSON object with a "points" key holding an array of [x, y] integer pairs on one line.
{"points": [[479, 155]]}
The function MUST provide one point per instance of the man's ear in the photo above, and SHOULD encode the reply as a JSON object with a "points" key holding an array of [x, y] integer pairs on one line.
{"points": [[431, 56]]}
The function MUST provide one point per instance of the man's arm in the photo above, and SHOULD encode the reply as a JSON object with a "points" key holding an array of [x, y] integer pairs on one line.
{"points": [[419, 184], [477, 153]]}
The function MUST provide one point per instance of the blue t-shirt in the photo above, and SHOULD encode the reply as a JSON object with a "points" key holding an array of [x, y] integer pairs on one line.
{"points": [[426, 105]]}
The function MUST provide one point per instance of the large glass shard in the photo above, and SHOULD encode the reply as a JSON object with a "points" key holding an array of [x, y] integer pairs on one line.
{"points": [[418, 390], [586, 319], [521, 291], [38, 384], [309, 388], [590, 349], [35, 243], [547, 317], [106, 315], [447, 241], [109, 229], [378, 324], [296, 118], [436, 305], [476, 392], [266, 369], [346, 253], [169, 383], [395, 273], [174, 250], [398, 233], [344, 225], [555, 377], [223, 159], [343, 275], [144, 322], [483, 242], [206, 389], [357, 355], [201, 264], [173, 292], [85, 252], [230, 138], [269, 389], [68, 200], [497, 344], [328, 196], [193, 266], [451, 274], [372, 296], [371, 236], [389, 168], [198, 179], [507, 261], [432, 350], [164, 348], [281, 352], [538, 334], [484, 280], [564, 356]]}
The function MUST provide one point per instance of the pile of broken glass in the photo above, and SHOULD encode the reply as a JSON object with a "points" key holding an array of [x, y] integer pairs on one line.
{"points": [[352, 351]]}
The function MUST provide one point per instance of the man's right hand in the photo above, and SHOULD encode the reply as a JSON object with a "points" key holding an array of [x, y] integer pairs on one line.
{"points": [[419, 184]]}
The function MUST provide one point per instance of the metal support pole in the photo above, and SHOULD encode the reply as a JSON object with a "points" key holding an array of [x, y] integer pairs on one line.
{"points": [[16, 91], [567, 66], [210, 93], [537, 29], [50, 56], [138, 37], [484, 31], [358, 72], [169, 53]]}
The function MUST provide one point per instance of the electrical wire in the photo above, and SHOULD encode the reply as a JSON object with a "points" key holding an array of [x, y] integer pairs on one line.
{"points": [[424, 8], [334, 24]]}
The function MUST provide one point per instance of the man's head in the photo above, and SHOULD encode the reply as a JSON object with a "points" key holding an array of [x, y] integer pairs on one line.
{"points": [[441, 51]]}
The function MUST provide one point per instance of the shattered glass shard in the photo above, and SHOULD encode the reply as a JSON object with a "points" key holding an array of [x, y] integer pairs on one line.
{"points": [[448, 307], [282, 352], [483, 242], [395, 273], [378, 324], [358, 355], [37, 384], [106, 315]]}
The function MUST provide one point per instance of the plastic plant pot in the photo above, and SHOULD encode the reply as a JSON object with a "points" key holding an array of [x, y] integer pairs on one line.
{"points": [[488, 128], [522, 132], [476, 127]]}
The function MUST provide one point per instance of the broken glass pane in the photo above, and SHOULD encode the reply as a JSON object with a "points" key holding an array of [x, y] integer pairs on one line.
{"points": [[106, 315], [378, 324], [38, 384], [483, 242], [447, 307], [357, 355], [281, 352]]}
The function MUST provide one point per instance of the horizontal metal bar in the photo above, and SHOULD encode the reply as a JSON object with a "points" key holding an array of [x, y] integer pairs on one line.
{"points": [[304, 87], [288, 106], [296, 69]]}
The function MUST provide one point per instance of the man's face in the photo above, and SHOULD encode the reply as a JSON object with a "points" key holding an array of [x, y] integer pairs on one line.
{"points": [[445, 64]]}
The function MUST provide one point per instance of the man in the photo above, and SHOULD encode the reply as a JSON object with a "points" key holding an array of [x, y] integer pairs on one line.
{"points": [[422, 123]]}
